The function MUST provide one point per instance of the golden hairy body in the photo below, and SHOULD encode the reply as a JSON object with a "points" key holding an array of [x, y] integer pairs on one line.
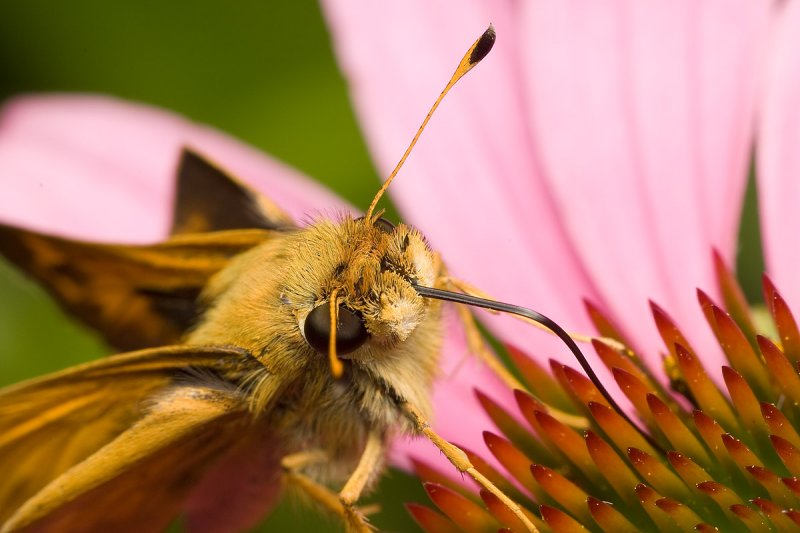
{"points": [[260, 302]]}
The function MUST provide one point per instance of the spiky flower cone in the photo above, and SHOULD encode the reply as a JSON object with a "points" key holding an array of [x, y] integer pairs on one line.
{"points": [[705, 459]]}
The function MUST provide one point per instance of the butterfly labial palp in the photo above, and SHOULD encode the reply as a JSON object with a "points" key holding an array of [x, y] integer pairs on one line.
{"points": [[257, 353]]}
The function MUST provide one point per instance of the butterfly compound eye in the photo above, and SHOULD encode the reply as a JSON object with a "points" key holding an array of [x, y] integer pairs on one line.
{"points": [[350, 330]]}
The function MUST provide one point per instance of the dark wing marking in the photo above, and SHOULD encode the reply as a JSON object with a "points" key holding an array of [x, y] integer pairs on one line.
{"points": [[135, 296], [209, 199]]}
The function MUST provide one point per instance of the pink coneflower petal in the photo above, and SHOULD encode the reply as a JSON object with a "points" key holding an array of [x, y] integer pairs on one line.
{"points": [[641, 113], [98, 168], [779, 154]]}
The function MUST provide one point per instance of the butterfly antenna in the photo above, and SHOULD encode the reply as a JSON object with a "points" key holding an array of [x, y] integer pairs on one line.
{"points": [[476, 52], [466, 299]]}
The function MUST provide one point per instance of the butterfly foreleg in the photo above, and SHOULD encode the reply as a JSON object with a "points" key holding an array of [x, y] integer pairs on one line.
{"points": [[343, 503], [461, 461]]}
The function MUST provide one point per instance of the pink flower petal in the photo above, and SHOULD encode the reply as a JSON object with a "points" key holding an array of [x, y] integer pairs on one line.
{"points": [[642, 113], [98, 168], [779, 155], [600, 151]]}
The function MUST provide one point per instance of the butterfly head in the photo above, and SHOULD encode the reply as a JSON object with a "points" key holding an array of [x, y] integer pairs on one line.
{"points": [[370, 287]]}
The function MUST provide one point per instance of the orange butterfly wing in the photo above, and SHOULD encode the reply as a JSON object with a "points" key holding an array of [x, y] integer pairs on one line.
{"points": [[64, 435]]}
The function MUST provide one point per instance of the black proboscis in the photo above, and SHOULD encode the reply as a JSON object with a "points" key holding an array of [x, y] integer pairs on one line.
{"points": [[439, 294]]}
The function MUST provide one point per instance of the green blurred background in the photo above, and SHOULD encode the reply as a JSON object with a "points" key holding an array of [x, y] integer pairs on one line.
{"points": [[262, 71]]}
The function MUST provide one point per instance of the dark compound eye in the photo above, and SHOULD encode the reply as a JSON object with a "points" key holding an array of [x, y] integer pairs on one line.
{"points": [[382, 224], [350, 331]]}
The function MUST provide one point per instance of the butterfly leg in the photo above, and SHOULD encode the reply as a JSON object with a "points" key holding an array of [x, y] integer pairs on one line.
{"points": [[297, 461], [343, 503], [370, 463], [294, 463], [460, 460]]}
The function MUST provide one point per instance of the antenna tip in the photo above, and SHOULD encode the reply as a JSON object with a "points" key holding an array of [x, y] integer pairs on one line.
{"points": [[483, 45]]}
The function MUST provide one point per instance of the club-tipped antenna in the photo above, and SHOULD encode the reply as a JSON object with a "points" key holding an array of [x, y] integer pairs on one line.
{"points": [[466, 299], [476, 52]]}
